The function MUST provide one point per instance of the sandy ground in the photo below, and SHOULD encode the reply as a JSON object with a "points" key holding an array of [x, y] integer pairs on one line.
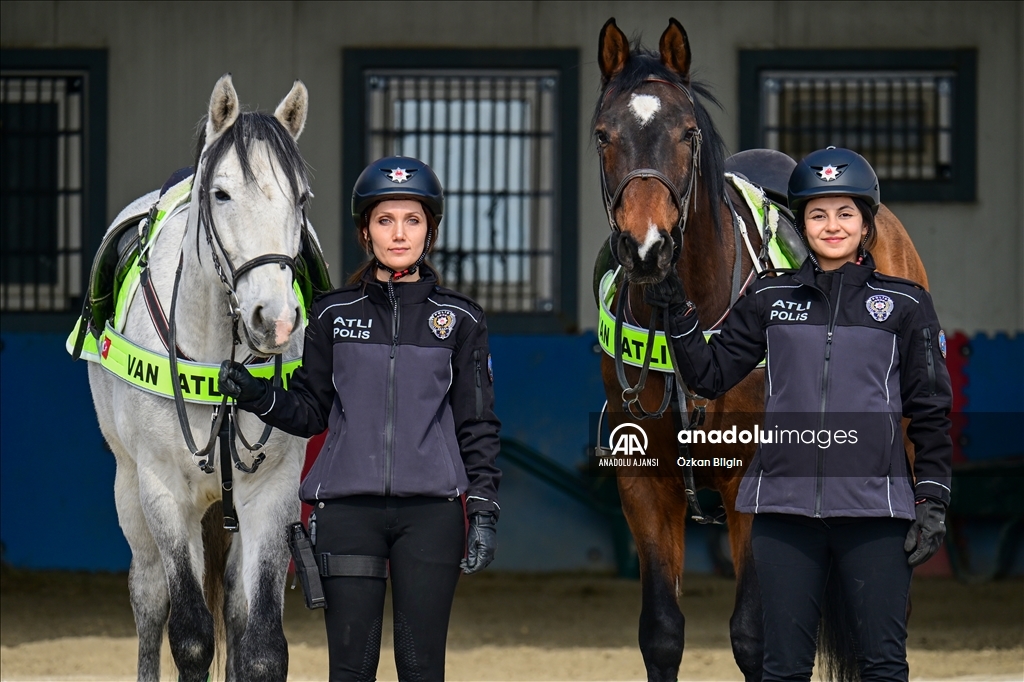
{"points": [[70, 626]]}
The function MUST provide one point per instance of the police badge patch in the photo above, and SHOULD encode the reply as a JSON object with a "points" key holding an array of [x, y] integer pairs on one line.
{"points": [[490, 366], [942, 343], [880, 306], [398, 174], [441, 323]]}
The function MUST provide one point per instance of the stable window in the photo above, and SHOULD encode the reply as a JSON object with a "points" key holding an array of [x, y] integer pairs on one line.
{"points": [[51, 200], [497, 129], [910, 113]]}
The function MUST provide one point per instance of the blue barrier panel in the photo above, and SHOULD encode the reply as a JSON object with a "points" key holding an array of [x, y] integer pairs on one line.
{"points": [[56, 475], [545, 388], [995, 397]]}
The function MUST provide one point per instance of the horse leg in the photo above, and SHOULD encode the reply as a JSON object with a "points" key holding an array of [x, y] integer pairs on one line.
{"points": [[657, 519], [175, 526], [236, 614], [147, 583], [746, 628], [266, 507]]}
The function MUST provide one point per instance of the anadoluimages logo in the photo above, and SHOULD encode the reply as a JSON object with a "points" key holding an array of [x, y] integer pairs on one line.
{"points": [[628, 440]]}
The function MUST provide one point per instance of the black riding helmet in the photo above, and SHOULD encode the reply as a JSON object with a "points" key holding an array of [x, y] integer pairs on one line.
{"points": [[832, 172], [397, 177]]}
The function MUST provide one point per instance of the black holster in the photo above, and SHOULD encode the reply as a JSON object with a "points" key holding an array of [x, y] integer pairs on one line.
{"points": [[306, 567]]}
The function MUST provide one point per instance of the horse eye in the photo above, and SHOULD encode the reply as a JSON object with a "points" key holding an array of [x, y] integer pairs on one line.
{"points": [[602, 138], [221, 195], [689, 134]]}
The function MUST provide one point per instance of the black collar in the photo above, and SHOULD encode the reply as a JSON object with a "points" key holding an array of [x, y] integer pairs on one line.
{"points": [[854, 274], [409, 293]]}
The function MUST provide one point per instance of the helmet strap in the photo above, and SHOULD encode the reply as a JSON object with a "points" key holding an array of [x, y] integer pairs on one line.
{"points": [[399, 274]]}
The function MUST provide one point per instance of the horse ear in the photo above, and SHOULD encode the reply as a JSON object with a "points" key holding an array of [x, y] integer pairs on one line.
{"points": [[224, 109], [613, 50], [675, 49], [291, 112]]}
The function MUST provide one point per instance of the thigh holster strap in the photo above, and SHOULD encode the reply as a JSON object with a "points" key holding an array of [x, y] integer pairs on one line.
{"points": [[353, 566]]}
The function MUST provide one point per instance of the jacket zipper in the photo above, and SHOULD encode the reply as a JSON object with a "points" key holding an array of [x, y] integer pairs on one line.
{"points": [[929, 359], [389, 422], [819, 482], [479, 387]]}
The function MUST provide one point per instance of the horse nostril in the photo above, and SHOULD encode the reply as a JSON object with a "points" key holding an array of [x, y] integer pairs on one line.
{"points": [[257, 318], [298, 316]]}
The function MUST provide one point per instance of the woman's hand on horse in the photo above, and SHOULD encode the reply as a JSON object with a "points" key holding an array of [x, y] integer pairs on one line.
{"points": [[668, 293], [926, 533], [237, 383], [481, 542]]}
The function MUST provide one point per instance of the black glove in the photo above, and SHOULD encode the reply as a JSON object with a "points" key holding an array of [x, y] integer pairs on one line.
{"points": [[668, 293], [481, 543], [926, 533], [237, 383]]}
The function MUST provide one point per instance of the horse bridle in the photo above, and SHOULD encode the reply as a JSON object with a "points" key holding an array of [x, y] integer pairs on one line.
{"points": [[228, 431], [631, 394]]}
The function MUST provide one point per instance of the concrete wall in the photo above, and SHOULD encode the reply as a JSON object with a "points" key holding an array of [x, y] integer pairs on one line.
{"points": [[165, 57]]}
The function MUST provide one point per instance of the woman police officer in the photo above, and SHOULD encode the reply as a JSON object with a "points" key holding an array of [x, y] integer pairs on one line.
{"points": [[850, 352], [398, 369]]}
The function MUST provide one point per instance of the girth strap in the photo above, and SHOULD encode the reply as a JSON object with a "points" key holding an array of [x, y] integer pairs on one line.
{"points": [[353, 566]]}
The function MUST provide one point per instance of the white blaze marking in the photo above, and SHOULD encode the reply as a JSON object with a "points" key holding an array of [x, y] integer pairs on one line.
{"points": [[644, 107], [653, 237]]}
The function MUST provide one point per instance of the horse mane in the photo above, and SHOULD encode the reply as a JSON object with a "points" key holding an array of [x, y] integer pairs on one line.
{"points": [[249, 127], [643, 64]]}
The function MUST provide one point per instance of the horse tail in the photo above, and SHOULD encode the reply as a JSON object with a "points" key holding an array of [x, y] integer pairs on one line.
{"points": [[216, 542], [837, 655]]}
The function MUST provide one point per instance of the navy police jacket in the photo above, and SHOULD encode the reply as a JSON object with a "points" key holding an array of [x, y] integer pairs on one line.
{"points": [[405, 391], [849, 353]]}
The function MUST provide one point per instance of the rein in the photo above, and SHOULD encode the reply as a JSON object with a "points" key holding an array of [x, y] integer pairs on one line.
{"points": [[631, 394], [224, 419], [674, 382]]}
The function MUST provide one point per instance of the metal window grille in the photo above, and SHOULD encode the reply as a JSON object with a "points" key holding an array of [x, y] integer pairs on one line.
{"points": [[490, 137], [41, 191], [901, 121]]}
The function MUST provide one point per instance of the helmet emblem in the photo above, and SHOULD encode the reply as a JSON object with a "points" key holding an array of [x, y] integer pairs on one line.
{"points": [[829, 173], [399, 174], [880, 306], [441, 323]]}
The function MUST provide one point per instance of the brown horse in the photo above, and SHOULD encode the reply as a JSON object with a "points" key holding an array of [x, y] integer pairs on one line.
{"points": [[656, 139]]}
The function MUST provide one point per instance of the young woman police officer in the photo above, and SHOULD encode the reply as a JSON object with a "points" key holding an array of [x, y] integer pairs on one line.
{"points": [[398, 369], [850, 352]]}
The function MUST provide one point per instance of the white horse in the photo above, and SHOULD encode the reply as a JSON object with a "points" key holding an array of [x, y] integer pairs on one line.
{"points": [[252, 186]]}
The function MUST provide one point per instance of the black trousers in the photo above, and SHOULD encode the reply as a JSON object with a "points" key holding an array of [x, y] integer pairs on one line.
{"points": [[792, 556], [424, 539]]}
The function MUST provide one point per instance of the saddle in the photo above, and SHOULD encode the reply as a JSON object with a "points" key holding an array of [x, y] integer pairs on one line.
{"points": [[116, 263]]}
